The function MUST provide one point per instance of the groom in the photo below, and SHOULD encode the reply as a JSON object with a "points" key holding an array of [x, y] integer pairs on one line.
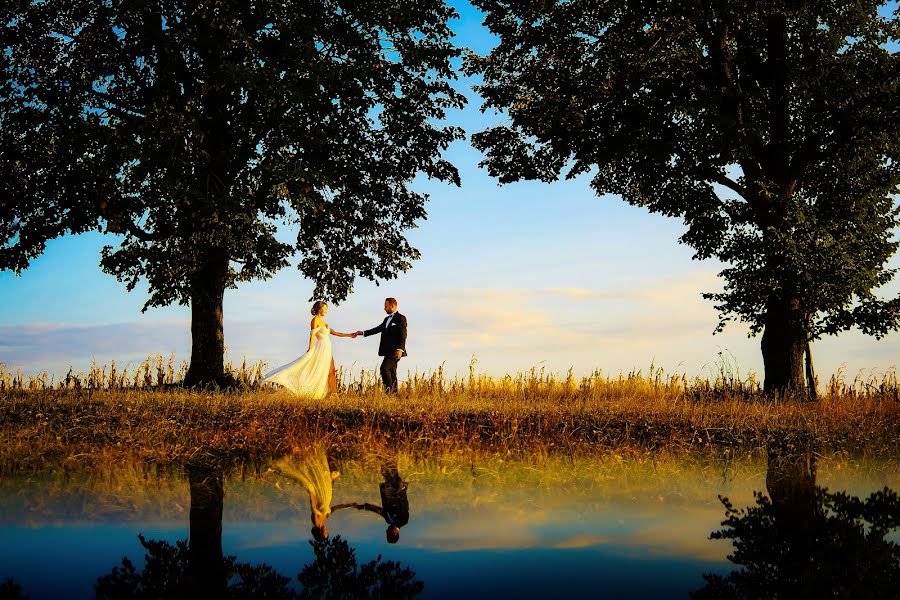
{"points": [[392, 345]]}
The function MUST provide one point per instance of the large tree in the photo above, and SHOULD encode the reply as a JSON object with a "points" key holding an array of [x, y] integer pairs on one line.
{"points": [[192, 128], [771, 127]]}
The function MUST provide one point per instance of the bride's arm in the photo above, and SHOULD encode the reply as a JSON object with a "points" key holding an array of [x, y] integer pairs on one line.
{"points": [[339, 334], [312, 333]]}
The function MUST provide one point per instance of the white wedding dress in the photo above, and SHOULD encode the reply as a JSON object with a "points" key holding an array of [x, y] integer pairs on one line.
{"points": [[308, 375]]}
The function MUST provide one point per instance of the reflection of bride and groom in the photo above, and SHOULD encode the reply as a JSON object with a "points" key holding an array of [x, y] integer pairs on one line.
{"points": [[198, 568], [313, 374], [312, 471]]}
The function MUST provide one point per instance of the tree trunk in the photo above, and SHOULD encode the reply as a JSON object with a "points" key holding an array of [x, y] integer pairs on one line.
{"points": [[810, 373], [207, 334], [791, 483], [206, 576], [783, 346]]}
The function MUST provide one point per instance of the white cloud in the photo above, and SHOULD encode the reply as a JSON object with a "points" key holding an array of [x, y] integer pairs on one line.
{"points": [[508, 329]]}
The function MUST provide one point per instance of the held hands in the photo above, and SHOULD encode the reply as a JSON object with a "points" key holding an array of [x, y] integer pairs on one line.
{"points": [[397, 354]]}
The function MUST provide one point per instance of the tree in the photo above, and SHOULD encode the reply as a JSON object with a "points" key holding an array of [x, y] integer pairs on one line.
{"points": [[193, 128], [834, 546], [771, 128], [169, 573], [335, 574]]}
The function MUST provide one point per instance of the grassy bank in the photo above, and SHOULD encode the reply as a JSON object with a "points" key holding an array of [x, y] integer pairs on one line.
{"points": [[76, 427]]}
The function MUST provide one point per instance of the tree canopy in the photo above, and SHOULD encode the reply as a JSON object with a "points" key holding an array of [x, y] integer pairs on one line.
{"points": [[194, 128], [840, 547], [771, 128]]}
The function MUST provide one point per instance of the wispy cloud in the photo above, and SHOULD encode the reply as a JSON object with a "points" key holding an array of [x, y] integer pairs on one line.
{"points": [[57, 346], [583, 293], [508, 329]]}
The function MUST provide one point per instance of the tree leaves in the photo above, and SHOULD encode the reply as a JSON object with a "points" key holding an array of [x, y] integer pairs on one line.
{"points": [[194, 129], [772, 129]]}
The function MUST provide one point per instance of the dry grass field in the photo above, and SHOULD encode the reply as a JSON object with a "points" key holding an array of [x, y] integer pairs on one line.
{"points": [[109, 415]]}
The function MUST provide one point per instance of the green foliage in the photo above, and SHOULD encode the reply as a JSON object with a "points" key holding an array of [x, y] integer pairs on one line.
{"points": [[165, 566], [194, 128], [771, 128], [167, 574], [10, 590], [838, 550], [334, 574]]}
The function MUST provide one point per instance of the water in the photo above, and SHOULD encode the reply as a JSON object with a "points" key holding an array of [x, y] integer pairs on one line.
{"points": [[609, 526]]}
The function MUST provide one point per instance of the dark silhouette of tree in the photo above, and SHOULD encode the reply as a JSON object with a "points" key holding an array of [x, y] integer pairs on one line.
{"points": [[168, 573], [335, 574], [193, 128], [805, 542], [206, 565], [10, 590], [772, 128]]}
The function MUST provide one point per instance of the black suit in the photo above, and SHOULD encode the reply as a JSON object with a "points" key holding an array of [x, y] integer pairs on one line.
{"points": [[393, 338], [394, 507], [393, 496]]}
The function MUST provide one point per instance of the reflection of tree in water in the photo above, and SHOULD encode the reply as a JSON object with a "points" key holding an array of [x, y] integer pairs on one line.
{"points": [[805, 542], [334, 574], [10, 590], [198, 568], [169, 573], [206, 568]]}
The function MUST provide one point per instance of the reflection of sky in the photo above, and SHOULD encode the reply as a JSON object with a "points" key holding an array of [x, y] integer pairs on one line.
{"points": [[477, 548], [466, 535], [519, 275]]}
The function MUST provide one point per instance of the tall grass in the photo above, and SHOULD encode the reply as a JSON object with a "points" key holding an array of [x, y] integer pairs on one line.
{"points": [[155, 371], [724, 381], [141, 414]]}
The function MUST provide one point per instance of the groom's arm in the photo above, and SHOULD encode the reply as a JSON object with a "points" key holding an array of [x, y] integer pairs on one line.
{"points": [[372, 508], [403, 333], [374, 330]]}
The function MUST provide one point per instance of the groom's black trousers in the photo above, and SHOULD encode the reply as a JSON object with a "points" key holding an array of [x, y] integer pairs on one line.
{"points": [[389, 374]]}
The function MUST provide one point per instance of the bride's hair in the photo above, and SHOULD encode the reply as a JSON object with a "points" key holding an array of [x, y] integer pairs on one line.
{"points": [[316, 307]]}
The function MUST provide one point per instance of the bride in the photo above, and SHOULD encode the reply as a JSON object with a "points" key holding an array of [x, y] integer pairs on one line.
{"points": [[312, 374]]}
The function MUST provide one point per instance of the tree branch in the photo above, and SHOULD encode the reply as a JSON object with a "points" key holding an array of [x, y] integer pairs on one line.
{"points": [[123, 224], [118, 107], [716, 177]]}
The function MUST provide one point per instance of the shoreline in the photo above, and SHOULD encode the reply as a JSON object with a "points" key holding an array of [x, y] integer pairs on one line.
{"points": [[72, 430]]}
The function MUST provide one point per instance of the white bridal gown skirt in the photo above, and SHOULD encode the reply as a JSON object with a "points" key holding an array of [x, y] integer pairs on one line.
{"points": [[308, 375]]}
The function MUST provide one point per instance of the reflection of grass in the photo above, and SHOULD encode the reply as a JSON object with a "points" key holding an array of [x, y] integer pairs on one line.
{"points": [[530, 414], [126, 491]]}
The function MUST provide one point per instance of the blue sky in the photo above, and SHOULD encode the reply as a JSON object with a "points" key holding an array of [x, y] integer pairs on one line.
{"points": [[523, 275]]}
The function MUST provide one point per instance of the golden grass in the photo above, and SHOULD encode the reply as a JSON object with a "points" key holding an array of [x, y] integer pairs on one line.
{"points": [[72, 426], [123, 491]]}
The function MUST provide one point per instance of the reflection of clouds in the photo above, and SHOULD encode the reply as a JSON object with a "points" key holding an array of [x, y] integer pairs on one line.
{"points": [[635, 529], [508, 520], [273, 536]]}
